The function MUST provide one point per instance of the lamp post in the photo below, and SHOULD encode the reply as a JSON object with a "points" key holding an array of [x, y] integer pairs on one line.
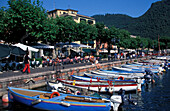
{"points": [[119, 45], [153, 47], [141, 45]]}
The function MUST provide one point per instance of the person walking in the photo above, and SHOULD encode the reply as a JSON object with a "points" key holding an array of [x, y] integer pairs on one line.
{"points": [[26, 62], [58, 66]]}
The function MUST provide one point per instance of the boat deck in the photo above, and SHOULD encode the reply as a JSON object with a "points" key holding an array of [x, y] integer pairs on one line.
{"points": [[67, 98]]}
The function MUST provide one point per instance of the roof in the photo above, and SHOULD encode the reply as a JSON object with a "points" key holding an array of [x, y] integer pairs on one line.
{"points": [[71, 10], [67, 44], [42, 46], [89, 50], [62, 10], [24, 47], [84, 16]]}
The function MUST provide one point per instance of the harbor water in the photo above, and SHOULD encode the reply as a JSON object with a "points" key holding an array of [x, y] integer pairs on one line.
{"points": [[154, 97]]}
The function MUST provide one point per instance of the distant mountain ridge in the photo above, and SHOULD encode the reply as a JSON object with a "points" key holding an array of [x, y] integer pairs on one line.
{"points": [[156, 21]]}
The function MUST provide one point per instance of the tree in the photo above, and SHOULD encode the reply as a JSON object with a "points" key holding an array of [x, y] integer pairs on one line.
{"points": [[67, 29], [123, 38], [50, 31], [83, 31], [24, 21], [3, 24], [166, 41], [100, 28]]}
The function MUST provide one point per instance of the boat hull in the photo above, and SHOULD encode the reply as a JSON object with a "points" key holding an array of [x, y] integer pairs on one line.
{"points": [[100, 86], [57, 104]]}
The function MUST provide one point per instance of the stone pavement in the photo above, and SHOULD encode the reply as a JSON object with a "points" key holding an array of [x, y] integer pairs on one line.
{"points": [[45, 69]]}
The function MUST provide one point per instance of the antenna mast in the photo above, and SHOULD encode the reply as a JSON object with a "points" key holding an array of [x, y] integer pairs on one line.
{"points": [[54, 4], [159, 45]]}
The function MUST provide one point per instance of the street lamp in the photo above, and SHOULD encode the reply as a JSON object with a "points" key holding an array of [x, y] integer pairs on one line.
{"points": [[118, 45], [141, 45]]}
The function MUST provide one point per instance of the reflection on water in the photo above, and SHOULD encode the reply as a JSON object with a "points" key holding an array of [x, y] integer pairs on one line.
{"points": [[152, 98]]}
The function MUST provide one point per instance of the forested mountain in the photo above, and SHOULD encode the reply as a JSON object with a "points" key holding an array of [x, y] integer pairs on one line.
{"points": [[156, 21]]}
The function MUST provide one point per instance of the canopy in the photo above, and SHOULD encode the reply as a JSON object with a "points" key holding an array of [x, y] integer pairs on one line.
{"points": [[17, 51], [5, 51], [67, 44], [42, 46], [89, 50], [24, 47], [77, 50]]}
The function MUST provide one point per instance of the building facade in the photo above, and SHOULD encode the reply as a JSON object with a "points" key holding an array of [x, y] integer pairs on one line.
{"points": [[73, 13]]}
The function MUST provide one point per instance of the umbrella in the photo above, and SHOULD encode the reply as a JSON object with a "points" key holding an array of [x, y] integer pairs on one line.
{"points": [[17, 51], [5, 51]]}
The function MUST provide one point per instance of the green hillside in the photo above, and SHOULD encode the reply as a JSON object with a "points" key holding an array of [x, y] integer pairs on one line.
{"points": [[156, 21]]}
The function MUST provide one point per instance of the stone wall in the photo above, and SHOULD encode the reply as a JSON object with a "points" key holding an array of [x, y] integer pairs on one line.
{"points": [[36, 80]]}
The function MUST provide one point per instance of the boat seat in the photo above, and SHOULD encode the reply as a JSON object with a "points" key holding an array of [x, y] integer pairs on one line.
{"points": [[45, 96], [82, 99]]}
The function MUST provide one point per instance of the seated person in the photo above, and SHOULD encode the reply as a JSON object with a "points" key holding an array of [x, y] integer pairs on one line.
{"points": [[92, 59], [33, 63], [48, 61]]}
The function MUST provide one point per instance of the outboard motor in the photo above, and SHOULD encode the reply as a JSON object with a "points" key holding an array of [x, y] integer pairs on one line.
{"points": [[125, 98], [166, 65], [122, 94], [148, 72], [115, 102], [148, 76]]}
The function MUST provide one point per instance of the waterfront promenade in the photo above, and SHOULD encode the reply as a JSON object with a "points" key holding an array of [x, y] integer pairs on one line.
{"points": [[39, 76]]}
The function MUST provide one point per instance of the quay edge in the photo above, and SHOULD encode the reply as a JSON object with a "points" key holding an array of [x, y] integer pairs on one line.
{"points": [[36, 80]]}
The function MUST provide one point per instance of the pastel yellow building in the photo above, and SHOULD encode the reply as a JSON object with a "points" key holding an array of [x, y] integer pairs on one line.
{"points": [[73, 13]]}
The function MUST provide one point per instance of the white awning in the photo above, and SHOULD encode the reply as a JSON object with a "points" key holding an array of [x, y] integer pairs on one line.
{"points": [[42, 46], [24, 47], [67, 44], [77, 50], [84, 46], [106, 51]]}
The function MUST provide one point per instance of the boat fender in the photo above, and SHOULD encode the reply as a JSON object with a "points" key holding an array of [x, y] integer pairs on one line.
{"points": [[36, 101], [65, 104], [77, 93], [5, 98], [55, 93], [121, 78]]}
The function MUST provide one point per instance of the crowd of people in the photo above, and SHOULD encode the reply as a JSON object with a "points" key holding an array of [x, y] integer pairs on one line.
{"points": [[48, 61]]}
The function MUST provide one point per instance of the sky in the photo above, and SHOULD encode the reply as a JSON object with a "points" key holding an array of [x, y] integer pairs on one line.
{"points": [[133, 8]]}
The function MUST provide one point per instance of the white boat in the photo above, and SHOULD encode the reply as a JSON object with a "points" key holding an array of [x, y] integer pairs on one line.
{"points": [[116, 74], [108, 86]]}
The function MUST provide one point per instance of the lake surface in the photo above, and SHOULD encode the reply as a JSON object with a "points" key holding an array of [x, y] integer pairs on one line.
{"points": [[154, 97]]}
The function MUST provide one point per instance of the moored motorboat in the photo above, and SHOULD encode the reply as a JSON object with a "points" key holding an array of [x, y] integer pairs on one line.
{"points": [[118, 80], [140, 68], [117, 74], [58, 101], [106, 76], [101, 86]]}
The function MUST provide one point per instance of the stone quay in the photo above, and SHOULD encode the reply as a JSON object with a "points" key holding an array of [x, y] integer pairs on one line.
{"points": [[39, 78]]}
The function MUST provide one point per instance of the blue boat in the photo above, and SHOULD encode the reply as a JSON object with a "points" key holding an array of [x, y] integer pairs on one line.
{"points": [[120, 80], [126, 70], [138, 68], [58, 101]]}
